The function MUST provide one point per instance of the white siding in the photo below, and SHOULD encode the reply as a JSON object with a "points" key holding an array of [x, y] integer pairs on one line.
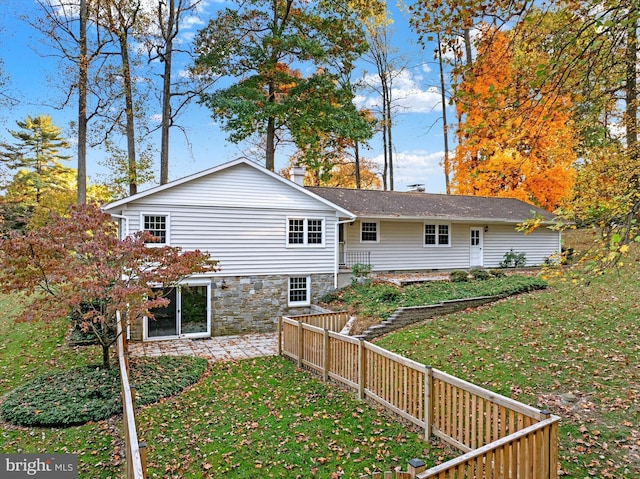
{"points": [[538, 245], [240, 216], [240, 186], [400, 246]]}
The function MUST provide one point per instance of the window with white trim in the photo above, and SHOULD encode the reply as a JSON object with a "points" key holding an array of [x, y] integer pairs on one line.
{"points": [[158, 226], [299, 291], [305, 232], [369, 232], [437, 234]]}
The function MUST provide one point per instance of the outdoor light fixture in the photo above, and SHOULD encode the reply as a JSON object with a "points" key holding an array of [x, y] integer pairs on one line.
{"points": [[486, 229]]}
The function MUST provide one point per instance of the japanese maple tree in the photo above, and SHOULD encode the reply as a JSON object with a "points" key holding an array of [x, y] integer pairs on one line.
{"points": [[78, 267]]}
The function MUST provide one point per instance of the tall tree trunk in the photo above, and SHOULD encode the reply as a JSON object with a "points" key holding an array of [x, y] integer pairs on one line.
{"points": [[82, 106], [443, 99], [389, 139], [166, 92], [467, 47], [385, 166], [130, 126], [271, 144], [385, 130], [356, 153], [631, 90]]}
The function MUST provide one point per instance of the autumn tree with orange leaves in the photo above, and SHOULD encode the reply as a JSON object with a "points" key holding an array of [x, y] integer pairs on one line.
{"points": [[511, 144], [343, 173]]}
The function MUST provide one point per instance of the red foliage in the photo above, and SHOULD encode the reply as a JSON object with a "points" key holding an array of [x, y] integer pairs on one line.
{"points": [[79, 259]]}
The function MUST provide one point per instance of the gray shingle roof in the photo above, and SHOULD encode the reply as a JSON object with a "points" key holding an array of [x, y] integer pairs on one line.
{"points": [[395, 204]]}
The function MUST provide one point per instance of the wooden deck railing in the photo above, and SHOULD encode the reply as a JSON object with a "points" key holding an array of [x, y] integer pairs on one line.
{"points": [[136, 462], [510, 438]]}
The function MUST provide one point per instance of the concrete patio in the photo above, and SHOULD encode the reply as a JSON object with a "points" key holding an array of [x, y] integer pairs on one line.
{"points": [[221, 348]]}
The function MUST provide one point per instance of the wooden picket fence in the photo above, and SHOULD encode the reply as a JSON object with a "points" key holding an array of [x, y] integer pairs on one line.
{"points": [[500, 437], [135, 456]]}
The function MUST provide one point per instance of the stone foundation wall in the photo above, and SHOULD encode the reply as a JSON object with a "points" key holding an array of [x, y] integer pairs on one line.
{"points": [[254, 303], [243, 304]]}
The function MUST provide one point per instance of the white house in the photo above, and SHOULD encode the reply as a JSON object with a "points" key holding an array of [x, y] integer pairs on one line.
{"points": [[282, 246]]}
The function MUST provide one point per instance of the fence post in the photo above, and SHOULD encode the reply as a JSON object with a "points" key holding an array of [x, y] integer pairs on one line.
{"points": [[327, 356], [300, 343], [143, 458], [416, 466], [279, 335], [361, 369], [552, 447], [428, 402]]}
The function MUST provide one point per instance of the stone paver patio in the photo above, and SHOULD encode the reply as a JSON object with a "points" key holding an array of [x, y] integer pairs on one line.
{"points": [[221, 348]]}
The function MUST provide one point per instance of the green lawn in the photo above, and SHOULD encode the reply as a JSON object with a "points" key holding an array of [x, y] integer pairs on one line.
{"points": [[264, 418], [243, 419], [573, 348]]}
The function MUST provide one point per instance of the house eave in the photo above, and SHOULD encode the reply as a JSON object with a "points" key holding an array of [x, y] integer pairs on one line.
{"points": [[452, 219]]}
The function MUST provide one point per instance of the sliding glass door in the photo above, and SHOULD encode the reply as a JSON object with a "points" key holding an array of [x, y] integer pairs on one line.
{"points": [[187, 314]]}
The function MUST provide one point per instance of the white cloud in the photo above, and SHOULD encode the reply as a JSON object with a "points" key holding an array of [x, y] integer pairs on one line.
{"points": [[416, 167], [407, 94]]}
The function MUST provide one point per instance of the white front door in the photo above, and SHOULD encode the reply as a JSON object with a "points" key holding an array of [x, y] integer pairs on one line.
{"points": [[475, 252]]}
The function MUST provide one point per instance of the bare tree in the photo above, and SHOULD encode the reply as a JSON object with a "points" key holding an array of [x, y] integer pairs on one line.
{"points": [[120, 17], [65, 26], [388, 67], [176, 93]]}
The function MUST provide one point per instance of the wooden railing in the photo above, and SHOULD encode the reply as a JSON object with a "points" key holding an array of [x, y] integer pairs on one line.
{"points": [[333, 321], [136, 462], [510, 438]]}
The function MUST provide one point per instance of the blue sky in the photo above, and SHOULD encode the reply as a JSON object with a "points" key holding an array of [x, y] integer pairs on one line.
{"points": [[33, 76]]}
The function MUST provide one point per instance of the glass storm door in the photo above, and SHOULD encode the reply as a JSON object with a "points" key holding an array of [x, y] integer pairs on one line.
{"points": [[475, 253]]}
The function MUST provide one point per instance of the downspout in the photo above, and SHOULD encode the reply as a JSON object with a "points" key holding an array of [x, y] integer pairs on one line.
{"points": [[125, 221], [336, 253]]}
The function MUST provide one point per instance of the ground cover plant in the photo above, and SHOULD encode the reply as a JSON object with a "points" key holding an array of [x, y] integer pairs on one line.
{"points": [[29, 350], [265, 418], [375, 301], [91, 393], [573, 349]]}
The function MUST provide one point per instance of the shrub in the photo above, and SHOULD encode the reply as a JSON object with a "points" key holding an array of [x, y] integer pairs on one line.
{"points": [[497, 273], [360, 272], [92, 393], [480, 273], [513, 260], [459, 276]]}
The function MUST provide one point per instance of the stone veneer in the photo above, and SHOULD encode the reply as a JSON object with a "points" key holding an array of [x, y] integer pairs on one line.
{"points": [[244, 304], [254, 303]]}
